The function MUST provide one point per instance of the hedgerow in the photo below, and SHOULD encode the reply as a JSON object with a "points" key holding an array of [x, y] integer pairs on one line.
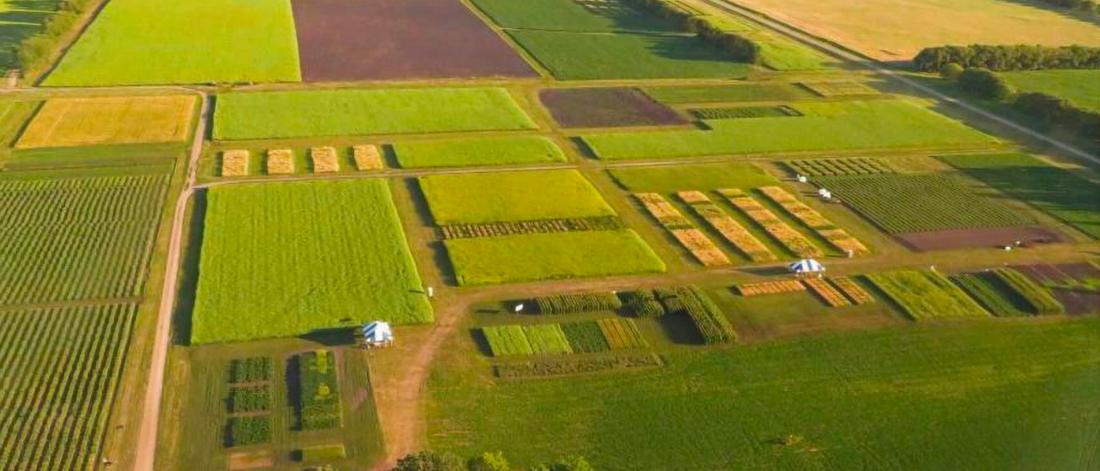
{"points": [[35, 51], [642, 303], [1019, 57], [739, 47], [249, 430], [319, 391], [1037, 297], [707, 316], [574, 303]]}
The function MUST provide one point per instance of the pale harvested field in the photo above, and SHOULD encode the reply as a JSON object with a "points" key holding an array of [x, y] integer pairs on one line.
{"points": [[898, 29], [65, 122]]}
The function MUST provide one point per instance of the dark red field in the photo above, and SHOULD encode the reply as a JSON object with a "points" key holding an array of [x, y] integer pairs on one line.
{"points": [[606, 107], [1069, 284], [350, 40], [979, 238]]}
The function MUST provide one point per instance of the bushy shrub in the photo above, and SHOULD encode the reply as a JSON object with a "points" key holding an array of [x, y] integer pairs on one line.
{"points": [[319, 391], [740, 48], [489, 462], [985, 84], [574, 303], [1021, 57], [312, 454], [952, 71], [642, 303], [429, 461], [1050, 110], [249, 430]]}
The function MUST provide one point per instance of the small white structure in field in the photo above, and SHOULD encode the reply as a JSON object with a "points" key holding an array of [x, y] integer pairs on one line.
{"points": [[377, 334], [519, 308], [802, 179], [806, 267], [825, 194]]}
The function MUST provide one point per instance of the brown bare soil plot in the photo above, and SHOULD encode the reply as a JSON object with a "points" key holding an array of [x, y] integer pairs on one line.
{"points": [[606, 107], [1071, 284], [979, 238], [350, 40]]}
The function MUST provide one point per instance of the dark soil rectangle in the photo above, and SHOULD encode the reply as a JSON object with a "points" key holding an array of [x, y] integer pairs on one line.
{"points": [[741, 112], [1078, 302], [606, 107], [351, 40], [979, 238]]}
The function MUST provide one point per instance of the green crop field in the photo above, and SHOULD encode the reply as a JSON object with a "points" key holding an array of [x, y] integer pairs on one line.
{"points": [[730, 93], [850, 125], [570, 15], [512, 196], [76, 238], [1082, 87], [61, 367], [1062, 193], [900, 203], [703, 177], [477, 151], [288, 259], [136, 42], [776, 51], [581, 56], [975, 395], [533, 257], [926, 295], [20, 20], [315, 113]]}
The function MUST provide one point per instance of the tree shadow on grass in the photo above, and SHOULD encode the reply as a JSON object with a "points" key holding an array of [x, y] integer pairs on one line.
{"points": [[482, 343], [1068, 13], [182, 316], [680, 330]]}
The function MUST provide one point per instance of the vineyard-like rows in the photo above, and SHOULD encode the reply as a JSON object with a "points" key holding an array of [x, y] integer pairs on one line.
{"points": [[920, 203], [775, 227], [741, 112], [60, 370], [694, 240], [493, 229], [838, 167], [571, 337], [68, 239], [926, 294], [825, 228], [733, 232], [826, 292]]}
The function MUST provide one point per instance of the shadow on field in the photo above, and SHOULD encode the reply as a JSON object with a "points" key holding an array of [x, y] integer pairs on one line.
{"points": [[293, 392], [478, 337], [189, 271], [424, 216], [680, 330], [335, 337]]}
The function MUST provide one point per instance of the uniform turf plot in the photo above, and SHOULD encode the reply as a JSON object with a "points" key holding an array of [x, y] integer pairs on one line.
{"points": [[136, 42], [606, 107], [702, 177], [512, 196], [281, 260], [477, 151], [571, 15], [269, 115], [346, 40], [66, 122]]}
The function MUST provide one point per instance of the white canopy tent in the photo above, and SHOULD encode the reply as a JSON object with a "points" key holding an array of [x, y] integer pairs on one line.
{"points": [[806, 266], [377, 334]]}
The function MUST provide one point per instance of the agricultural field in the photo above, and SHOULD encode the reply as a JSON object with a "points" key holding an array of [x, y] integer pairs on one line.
{"points": [[512, 196], [533, 257], [278, 261], [570, 15], [66, 122], [747, 92], [1060, 192], [76, 238], [121, 158], [926, 295], [144, 42], [1082, 87], [315, 113], [477, 152], [704, 177], [849, 125], [606, 107], [584, 56], [61, 370], [407, 40], [879, 31], [22, 19]]}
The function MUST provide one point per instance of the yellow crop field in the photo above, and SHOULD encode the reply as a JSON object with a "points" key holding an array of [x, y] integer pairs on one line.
{"points": [[68, 122]]}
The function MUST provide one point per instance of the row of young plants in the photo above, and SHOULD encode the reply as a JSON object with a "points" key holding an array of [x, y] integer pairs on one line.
{"points": [[564, 338], [691, 238], [775, 227], [546, 226], [318, 391], [724, 224], [838, 167], [250, 401]]}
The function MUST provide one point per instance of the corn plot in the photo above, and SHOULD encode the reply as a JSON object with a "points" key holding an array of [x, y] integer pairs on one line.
{"points": [[68, 239], [60, 369]]}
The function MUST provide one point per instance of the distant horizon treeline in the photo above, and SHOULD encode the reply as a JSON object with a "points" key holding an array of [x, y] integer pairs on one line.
{"points": [[1003, 58]]}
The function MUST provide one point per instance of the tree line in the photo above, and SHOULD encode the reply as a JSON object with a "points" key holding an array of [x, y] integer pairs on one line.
{"points": [[432, 461], [1019, 57], [1086, 6], [35, 51], [708, 28]]}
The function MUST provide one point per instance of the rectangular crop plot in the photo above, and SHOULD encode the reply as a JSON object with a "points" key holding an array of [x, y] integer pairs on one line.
{"points": [[919, 203], [571, 15], [140, 42], [512, 196], [342, 40], [926, 294], [730, 93], [1065, 195], [547, 339], [606, 107], [742, 112], [267, 115], [580, 56], [77, 238], [281, 260], [838, 167], [61, 366], [477, 151], [507, 340], [533, 257], [703, 177], [852, 125], [65, 122], [585, 337]]}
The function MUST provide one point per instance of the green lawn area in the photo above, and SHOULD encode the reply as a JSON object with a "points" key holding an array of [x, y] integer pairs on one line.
{"points": [[1059, 192], [533, 257], [477, 151], [1082, 87], [973, 395], [316, 113], [570, 15], [512, 196], [135, 42], [730, 93], [852, 125], [286, 259], [703, 177], [580, 56]]}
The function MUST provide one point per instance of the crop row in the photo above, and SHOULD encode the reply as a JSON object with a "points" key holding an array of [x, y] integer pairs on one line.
{"points": [[852, 290], [1039, 300], [573, 303], [826, 292], [642, 303], [775, 227], [839, 88], [319, 391], [838, 167], [695, 241], [707, 317], [740, 112], [572, 366], [245, 399], [825, 228], [77, 238], [250, 370], [249, 430], [769, 287], [546, 226], [926, 294], [61, 367], [730, 230], [990, 293], [571, 337]]}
